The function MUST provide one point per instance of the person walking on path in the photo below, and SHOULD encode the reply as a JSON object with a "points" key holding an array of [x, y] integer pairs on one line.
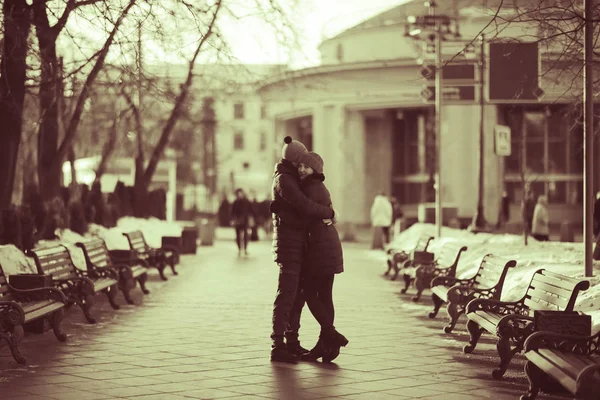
{"points": [[323, 259], [291, 209], [528, 208], [241, 211], [597, 226], [540, 225], [504, 211], [381, 215]]}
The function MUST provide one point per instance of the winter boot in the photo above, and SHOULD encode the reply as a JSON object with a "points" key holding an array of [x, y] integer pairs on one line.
{"points": [[280, 353], [295, 348], [333, 340], [315, 353]]}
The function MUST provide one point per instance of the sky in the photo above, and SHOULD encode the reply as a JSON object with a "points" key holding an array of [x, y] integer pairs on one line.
{"points": [[316, 20]]}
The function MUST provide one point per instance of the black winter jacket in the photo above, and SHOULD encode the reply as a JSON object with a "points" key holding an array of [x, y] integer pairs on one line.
{"points": [[241, 210], [292, 211], [324, 254]]}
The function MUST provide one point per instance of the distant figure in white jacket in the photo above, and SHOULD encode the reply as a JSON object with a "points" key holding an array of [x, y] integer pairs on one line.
{"points": [[540, 229], [381, 215]]}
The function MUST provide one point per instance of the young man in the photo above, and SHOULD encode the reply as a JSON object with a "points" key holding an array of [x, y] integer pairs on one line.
{"points": [[291, 209]]}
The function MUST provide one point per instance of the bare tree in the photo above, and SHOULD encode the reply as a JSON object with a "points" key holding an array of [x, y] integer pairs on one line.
{"points": [[13, 69], [51, 152]]}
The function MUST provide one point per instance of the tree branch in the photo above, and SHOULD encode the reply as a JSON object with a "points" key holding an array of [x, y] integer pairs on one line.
{"points": [[174, 116], [78, 111]]}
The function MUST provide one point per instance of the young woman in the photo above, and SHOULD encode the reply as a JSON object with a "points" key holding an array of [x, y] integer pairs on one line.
{"points": [[323, 259], [241, 210]]}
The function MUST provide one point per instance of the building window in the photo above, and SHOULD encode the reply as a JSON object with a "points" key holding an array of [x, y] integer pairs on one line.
{"points": [[546, 150], [263, 111], [238, 141], [263, 141], [238, 110], [413, 145]]}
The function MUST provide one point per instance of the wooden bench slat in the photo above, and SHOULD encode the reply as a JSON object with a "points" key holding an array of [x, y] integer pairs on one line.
{"points": [[540, 295], [568, 362], [40, 312], [552, 369], [541, 306], [485, 319], [554, 280], [551, 288]]}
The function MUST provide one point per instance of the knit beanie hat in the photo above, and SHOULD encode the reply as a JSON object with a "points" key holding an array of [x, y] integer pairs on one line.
{"points": [[292, 149], [313, 160]]}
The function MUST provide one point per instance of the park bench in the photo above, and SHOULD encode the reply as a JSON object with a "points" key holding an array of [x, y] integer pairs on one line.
{"points": [[512, 321], [20, 306], [155, 257], [444, 265], [487, 283], [399, 259], [79, 286], [98, 257], [571, 360]]}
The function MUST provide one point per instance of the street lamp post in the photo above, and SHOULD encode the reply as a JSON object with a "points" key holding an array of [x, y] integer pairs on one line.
{"points": [[479, 222], [436, 27]]}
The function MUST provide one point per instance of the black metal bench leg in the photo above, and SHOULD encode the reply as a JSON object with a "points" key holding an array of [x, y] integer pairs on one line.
{"points": [[111, 294], [389, 265], [407, 281], [437, 304], [172, 263], [161, 270], [420, 286], [535, 377], [506, 355], [454, 312], [86, 304], [13, 339], [55, 321], [475, 332], [127, 295], [396, 271], [142, 281]]}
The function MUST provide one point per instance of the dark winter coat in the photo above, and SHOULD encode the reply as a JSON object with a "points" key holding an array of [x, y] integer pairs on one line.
{"points": [[324, 250], [596, 216], [241, 210], [292, 211]]}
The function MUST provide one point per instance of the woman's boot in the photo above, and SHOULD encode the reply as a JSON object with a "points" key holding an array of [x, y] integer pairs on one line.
{"points": [[333, 340], [316, 352]]}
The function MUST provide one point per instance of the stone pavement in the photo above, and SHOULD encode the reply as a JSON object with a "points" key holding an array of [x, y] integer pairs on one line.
{"points": [[205, 335]]}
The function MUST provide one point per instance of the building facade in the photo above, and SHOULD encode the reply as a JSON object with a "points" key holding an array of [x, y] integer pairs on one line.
{"points": [[363, 110]]}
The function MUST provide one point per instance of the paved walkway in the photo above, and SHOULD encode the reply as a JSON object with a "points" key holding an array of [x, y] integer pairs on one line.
{"points": [[205, 335]]}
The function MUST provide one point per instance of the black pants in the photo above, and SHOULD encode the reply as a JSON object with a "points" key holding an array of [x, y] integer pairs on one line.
{"points": [[386, 233], [241, 236], [317, 292], [287, 289]]}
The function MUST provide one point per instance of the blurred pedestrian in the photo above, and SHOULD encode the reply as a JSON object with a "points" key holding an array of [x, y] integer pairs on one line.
{"points": [[381, 215], [528, 208], [241, 212], [596, 255], [504, 211], [540, 229], [397, 215], [224, 212]]}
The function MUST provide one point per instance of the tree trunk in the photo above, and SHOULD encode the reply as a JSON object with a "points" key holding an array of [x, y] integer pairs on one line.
{"points": [[49, 172], [13, 68]]}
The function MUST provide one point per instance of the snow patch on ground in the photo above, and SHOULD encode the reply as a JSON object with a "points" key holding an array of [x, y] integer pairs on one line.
{"points": [[563, 258]]}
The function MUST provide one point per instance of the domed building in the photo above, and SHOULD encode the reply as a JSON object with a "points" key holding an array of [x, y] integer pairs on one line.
{"points": [[368, 110]]}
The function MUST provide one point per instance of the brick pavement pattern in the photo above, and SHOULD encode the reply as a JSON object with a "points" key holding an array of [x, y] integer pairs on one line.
{"points": [[205, 335]]}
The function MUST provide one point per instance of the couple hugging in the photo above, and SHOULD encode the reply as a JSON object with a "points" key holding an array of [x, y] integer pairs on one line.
{"points": [[308, 251]]}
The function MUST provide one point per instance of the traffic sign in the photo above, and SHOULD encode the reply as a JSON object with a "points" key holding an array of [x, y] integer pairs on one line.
{"points": [[450, 93], [449, 72]]}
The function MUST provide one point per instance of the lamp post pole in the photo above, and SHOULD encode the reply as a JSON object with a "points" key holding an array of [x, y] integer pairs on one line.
{"points": [[479, 218], [438, 124], [588, 147]]}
